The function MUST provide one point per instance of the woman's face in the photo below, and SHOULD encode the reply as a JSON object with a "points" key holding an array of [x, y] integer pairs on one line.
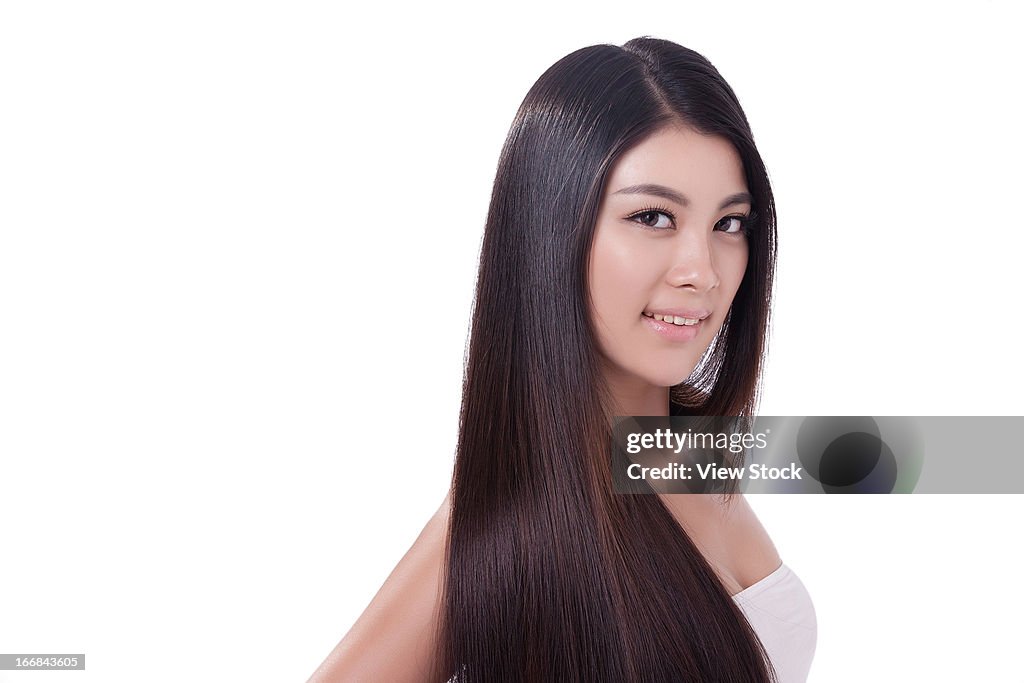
{"points": [[669, 241]]}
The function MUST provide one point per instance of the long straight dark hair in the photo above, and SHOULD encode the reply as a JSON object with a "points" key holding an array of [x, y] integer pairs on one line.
{"points": [[550, 576]]}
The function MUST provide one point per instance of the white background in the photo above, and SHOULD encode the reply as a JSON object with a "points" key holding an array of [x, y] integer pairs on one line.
{"points": [[237, 259]]}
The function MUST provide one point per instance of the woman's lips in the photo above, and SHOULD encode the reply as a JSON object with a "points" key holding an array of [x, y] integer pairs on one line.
{"points": [[672, 332]]}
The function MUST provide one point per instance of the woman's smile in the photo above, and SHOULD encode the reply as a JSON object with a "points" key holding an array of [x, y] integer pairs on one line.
{"points": [[673, 328]]}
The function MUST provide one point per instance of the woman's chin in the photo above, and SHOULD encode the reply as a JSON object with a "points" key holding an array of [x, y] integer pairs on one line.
{"points": [[671, 379]]}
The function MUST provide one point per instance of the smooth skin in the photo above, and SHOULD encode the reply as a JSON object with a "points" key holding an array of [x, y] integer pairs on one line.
{"points": [[648, 252]]}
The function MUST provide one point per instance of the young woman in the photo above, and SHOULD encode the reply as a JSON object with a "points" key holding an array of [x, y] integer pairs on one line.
{"points": [[626, 269]]}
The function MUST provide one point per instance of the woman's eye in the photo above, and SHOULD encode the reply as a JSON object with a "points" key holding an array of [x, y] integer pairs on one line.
{"points": [[732, 223], [654, 219]]}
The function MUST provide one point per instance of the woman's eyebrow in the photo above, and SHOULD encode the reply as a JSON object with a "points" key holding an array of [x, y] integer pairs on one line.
{"points": [[679, 198]]}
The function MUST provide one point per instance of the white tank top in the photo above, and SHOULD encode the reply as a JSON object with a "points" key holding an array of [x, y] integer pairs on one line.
{"points": [[780, 610]]}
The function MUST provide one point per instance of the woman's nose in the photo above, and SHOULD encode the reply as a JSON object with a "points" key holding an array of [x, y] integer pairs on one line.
{"points": [[694, 264]]}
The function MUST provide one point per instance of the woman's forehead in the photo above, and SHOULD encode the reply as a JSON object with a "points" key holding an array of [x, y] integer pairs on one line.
{"points": [[692, 167]]}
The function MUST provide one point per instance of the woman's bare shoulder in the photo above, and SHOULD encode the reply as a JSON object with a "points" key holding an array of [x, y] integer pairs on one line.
{"points": [[728, 534], [753, 554], [394, 638]]}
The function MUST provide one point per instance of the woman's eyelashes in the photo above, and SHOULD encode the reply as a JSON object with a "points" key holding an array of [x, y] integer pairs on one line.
{"points": [[652, 212], [734, 223], [654, 218]]}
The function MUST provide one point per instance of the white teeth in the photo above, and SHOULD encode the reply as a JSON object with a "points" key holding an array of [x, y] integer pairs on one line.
{"points": [[674, 319]]}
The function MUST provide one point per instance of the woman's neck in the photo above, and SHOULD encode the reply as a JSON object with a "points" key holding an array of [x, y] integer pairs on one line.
{"points": [[641, 400]]}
